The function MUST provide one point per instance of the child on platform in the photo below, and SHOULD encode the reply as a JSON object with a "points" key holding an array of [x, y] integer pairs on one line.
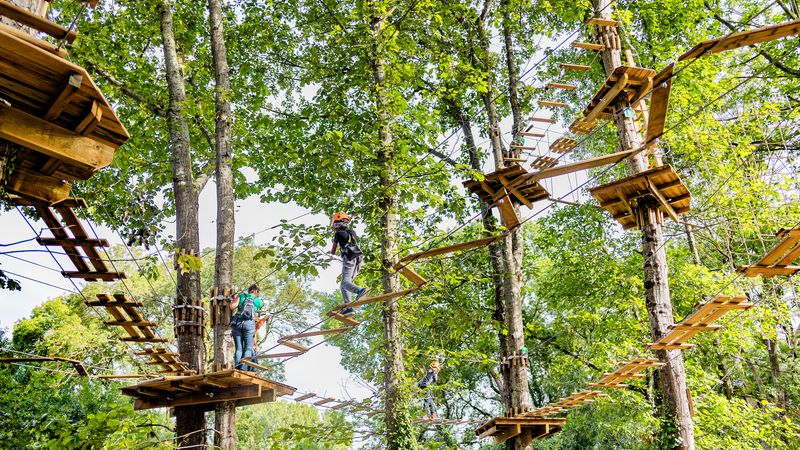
{"points": [[346, 240], [243, 324], [431, 377]]}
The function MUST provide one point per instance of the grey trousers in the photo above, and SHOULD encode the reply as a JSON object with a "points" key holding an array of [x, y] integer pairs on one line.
{"points": [[350, 268]]}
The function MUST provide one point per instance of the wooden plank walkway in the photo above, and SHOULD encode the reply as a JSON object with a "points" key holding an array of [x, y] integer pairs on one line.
{"points": [[701, 319], [743, 39], [779, 259]]}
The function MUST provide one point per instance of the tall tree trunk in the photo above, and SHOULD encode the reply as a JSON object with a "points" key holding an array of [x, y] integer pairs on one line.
{"points": [[399, 432], [189, 321], [672, 376], [225, 412]]}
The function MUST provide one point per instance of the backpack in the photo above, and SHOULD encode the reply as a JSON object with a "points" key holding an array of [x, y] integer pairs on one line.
{"points": [[247, 312], [351, 249]]}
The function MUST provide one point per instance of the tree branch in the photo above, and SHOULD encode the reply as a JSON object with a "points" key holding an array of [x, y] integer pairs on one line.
{"points": [[125, 89], [202, 178]]}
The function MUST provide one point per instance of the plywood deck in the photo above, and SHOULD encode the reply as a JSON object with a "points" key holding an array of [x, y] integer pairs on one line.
{"points": [[212, 387], [621, 197], [701, 319], [779, 260]]}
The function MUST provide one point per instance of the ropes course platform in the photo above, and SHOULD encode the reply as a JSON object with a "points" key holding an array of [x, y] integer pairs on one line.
{"points": [[700, 320], [77, 365], [625, 84], [622, 197], [505, 187], [245, 388], [563, 145], [628, 370], [743, 39], [778, 260], [504, 428]]}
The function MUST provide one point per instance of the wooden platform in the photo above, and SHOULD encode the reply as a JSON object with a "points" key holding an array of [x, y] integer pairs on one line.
{"points": [[625, 84], [701, 319], [64, 127], [582, 126], [213, 387], [628, 370], [544, 162], [779, 260], [743, 39], [504, 428], [563, 145], [621, 197], [77, 365], [505, 187]]}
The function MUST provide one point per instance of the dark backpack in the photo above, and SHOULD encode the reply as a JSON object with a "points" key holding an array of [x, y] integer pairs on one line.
{"points": [[247, 312], [351, 249]]}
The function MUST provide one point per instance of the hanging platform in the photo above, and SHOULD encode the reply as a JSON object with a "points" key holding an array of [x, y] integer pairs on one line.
{"points": [[620, 198], [61, 126], [504, 428], [563, 145], [743, 39], [778, 260], [506, 186], [626, 84], [544, 162], [77, 365], [209, 388], [582, 126], [700, 320], [628, 370]]}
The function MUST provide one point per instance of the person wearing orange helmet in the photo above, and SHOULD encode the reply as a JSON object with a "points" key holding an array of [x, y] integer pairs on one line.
{"points": [[346, 241]]}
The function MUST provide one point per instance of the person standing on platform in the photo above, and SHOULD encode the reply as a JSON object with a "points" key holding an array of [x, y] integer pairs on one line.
{"points": [[243, 324], [431, 377], [346, 241]]}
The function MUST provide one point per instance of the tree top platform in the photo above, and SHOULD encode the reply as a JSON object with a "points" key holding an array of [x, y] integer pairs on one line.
{"points": [[504, 428], [246, 388]]}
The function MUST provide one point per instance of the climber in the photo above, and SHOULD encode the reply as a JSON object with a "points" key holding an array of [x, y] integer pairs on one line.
{"points": [[346, 240], [431, 377], [243, 324]]}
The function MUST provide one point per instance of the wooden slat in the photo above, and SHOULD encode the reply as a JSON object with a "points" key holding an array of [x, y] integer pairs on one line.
{"points": [[304, 397], [587, 46], [377, 298], [511, 431], [313, 333], [541, 119], [608, 97], [602, 22], [578, 67], [344, 319], [44, 45], [411, 275], [132, 324], [40, 23], [743, 39], [565, 86], [255, 366], [142, 339], [230, 394], [507, 213], [452, 248], [551, 104], [324, 401], [71, 85], [293, 345], [659, 103], [72, 242], [531, 134], [105, 276]]}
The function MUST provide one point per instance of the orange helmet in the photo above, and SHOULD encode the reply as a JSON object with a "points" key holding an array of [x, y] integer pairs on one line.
{"points": [[340, 216]]}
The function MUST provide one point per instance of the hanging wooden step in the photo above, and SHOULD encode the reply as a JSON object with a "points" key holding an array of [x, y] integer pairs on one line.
{"points": [[462, 246], [587, 46], [778, 260], [344, 319], [566, 87], [563, 145], [324, 401], [581, 126], [256, 366], [621, 198], [541, 120], [305, 397], [701, 319], [743, 39], [551, 104], [515, 160], [659, 102], [278, 355], [293, 345], [142, 339], [521, 148], [578, 67], [376, 299], [544, 162], [207, 388], [531, 134], [312, 333], [602, 22], [410, 274], [628, 370]]}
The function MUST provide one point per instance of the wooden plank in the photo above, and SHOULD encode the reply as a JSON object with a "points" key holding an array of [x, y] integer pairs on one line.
{"points": [[507, 213], [31, 132], [71, 85], [255, 366], [452, 248], [90, 121], [34, 21], [609, 96], [411, 275], [72, 242], [105, 276], [132, 324], [743, 39], [568, 87], [587, 46], [344, 319], [324, 401], [486, 432], [768, 272], [662, 200], [531, 134], [235, 393], [551, 104], [70, 202], [304, 397], [36, 186], [293, 345], [377, 298], [578, 67], [142, 339], [602, 22], [772, 256], [581, 165], [511, 188], [44, 45], [320, 332], [513, 430], [541, 119], [659, 103]]}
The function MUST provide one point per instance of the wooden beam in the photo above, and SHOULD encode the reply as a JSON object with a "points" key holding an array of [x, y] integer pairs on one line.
{"points": [[659, 103], [511, 431], [44, 45], [26, 17], [582, 165], [612, 94], [568, 87], [578, 67], [452, 248], [411, 275], [229, 394], [587, 46], [71, 85], [70, 242], [541, 119], [36, 186], [105, 276], [602, 22], [487, 432], [530, 134], [661, 199], [90, 121], [304, 397], [36, 134], [507, 213], [551, 104]]}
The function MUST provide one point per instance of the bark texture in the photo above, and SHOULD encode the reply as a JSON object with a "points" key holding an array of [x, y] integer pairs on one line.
{"points": [[672, 376], [224, 413], [189, 314]]}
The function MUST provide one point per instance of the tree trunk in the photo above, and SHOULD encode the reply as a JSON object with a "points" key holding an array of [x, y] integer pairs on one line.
{"points": [[399, 432], [513, 76], [189, 314], [775, 370], [225, 413], [672, 376]]}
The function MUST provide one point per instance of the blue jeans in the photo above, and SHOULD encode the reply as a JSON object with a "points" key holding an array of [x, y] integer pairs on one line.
{"points": [[243, 338], [350, 269]]}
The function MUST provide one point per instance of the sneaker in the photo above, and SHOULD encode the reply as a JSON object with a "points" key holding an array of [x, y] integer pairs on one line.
{"points": [[363, 292], [435, 416], [347, 312]]}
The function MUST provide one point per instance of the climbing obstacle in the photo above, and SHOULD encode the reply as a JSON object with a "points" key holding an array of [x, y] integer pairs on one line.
{"points": [[779, 260], [169, 361], [563, 145], [505, 428], [622, 198], [582, 126], [506, 187], [625, 84], [628, 370], [77, 365], [700, 320], [743, 39], [245, 388]]}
